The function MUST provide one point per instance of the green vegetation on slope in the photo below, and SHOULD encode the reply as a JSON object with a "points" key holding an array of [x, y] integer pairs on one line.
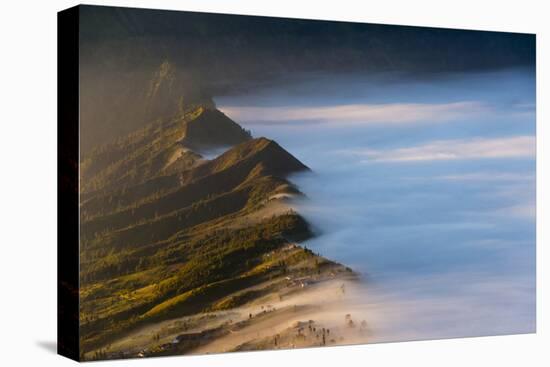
{"points": [[158, 243], [161, 148]]}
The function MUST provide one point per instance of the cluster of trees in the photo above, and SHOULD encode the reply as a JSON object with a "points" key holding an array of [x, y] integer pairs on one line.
{"points": [[149, 239], [207, 258]]}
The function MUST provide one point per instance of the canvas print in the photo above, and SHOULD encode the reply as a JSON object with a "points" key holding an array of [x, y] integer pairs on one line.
{"points": [[254, 183]]}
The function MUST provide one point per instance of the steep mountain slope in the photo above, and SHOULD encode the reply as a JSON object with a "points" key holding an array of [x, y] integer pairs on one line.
{"points": [[163, 236], [205, 131], [241, 177], [159, 149], [241, 168]]}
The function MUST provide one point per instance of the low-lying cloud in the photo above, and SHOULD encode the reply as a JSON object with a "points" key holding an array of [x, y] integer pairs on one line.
{"points": [[489, 176], [385, 113], [454, 149], [447, 245]]}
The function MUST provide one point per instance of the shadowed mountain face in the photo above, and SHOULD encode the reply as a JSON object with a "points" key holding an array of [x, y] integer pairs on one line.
{"points": [[160, 148], [248, 173], [160, 222], [211, 129]]}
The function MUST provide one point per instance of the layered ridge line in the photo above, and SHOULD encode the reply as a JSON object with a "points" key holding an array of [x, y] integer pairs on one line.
{"points": [[168, 234]]}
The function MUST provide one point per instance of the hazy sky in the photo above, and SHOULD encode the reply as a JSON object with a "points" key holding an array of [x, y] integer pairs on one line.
{"points": [[426, 186]]}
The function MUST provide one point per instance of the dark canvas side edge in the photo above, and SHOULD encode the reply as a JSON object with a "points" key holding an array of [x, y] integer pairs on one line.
{"points": [[68, 183]]}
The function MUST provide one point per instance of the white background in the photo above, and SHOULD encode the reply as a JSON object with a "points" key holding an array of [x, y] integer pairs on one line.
{"points": [[28, 182]]}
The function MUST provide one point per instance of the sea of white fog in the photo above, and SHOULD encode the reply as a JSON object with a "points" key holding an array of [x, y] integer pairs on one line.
{"points": [[425, 185]]}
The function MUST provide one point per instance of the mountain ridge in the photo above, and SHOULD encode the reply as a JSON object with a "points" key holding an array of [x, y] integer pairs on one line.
{"points": [[165, 232], [160, 148], [238, 167]]}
